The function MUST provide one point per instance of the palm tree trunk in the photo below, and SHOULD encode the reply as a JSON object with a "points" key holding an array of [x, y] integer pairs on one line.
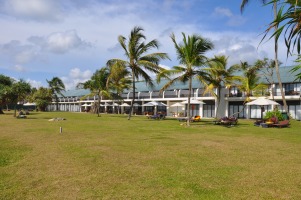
{"points": [[218, 102], [277, 63], [133, 99], [188, 104], [98, 105], [15, 110]]}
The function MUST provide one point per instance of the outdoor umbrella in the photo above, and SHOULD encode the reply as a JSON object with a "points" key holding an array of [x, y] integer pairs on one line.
{"points": [[262, 101], [124, 104], [177, 105], [86, 105], [106, 104], [154, 103], [29, 104]]}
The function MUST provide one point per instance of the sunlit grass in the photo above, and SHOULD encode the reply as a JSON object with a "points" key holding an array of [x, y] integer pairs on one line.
{"points": [[110, 157]]}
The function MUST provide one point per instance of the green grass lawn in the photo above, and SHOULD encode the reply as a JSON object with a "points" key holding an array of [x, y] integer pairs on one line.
{"points": [[110, 157]]}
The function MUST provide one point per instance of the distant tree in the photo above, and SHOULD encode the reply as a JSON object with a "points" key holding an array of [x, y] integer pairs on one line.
{"points": [[20, 91], [5, 84], [190, 53], [42, 97], [267, 68], [97, 86], [56, 86], [138, 62]]}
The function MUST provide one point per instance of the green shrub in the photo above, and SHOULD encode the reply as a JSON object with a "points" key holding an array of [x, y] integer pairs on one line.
{"points": [[276, 113]]}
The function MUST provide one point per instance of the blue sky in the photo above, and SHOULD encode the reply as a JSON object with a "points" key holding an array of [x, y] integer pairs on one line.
{"points": [[71, 39]]}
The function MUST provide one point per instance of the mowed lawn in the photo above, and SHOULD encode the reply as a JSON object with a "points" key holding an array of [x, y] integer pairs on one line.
{"points": [[110, 157]]}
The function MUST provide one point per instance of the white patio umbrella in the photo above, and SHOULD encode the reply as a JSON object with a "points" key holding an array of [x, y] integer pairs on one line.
{"points": [[154, 103], [115, 104], [136, 104], [29, 104], [177, 105], [262, 101], [124, 104], [86, 105], [106, 104]]}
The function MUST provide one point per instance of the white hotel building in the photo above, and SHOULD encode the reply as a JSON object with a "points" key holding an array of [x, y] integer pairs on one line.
{"points": [[232, 100]]}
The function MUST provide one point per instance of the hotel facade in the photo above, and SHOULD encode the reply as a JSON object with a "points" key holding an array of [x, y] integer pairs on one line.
{"points": [[231, 99]]}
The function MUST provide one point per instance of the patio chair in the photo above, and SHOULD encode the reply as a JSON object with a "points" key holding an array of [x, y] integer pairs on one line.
{"points": [[281, 124], [196, 118]]}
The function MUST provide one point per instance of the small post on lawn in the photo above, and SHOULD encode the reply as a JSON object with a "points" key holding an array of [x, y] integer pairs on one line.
{"points": [[61, 130]]}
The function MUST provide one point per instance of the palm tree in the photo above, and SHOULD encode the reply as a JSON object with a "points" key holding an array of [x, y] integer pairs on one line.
{"points": [[56, 86], [218, 76], [118, 80], [249, 82], [190, 54], [138, 62], [97, 86], [296, 68], [244, 2], [290, 15]]}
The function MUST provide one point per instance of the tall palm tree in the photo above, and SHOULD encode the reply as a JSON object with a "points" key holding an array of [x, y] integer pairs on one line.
{"points": [[244, 2], [289, 17], [56, 86], [97, 86], [191, 57], [218, 76], [138, 62]]}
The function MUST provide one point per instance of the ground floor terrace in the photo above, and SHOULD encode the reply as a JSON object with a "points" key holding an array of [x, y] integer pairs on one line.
{"points": [[204, 107]]}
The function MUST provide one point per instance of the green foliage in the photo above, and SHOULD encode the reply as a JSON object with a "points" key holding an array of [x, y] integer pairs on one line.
{"points": [[275, 113], [191, 56], [42, 97], [139, 63]]}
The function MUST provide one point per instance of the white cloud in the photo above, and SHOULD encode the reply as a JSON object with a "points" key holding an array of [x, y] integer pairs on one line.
{"points": [[238, 48], [39, 10], [34, 83], [19, 68], [232, 19], [76, 76], [60, 42], [218, 11], [20, 53], [37, 48]]}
